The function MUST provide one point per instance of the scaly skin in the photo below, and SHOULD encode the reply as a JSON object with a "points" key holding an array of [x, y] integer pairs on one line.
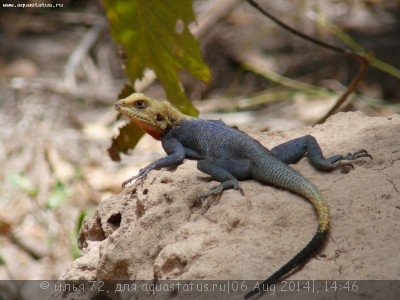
{"points": [[229, 155]]}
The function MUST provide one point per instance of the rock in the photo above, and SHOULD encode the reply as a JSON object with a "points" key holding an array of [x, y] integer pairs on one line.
{"points": [[157, 230]]}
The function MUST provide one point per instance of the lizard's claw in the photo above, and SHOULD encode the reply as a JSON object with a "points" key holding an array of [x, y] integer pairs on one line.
{"points": [[357, 154], [217, 190], [345, 167], [239, 188], [142, 175], [129, 180]]}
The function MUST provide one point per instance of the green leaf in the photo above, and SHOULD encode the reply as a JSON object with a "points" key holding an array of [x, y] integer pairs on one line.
{"points": [[23, 183], [79, 221], [59, 194], [75, 251], [154, 34]]}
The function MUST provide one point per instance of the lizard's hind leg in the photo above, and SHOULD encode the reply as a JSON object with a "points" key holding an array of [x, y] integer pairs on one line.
{"points": [[292, 151]]}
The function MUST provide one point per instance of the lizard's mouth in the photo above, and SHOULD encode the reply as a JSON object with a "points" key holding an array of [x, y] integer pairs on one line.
{"points": [[123, 110]]}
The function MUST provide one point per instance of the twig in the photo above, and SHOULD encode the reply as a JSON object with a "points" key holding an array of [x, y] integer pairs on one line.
{"points": [[81, 51], [296, 32], [208, 18], [362, 61], [25, 248], [350, 89], [257, 63]]}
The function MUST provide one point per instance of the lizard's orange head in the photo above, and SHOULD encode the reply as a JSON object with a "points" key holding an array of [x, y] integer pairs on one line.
{"points": [[153, 116]]}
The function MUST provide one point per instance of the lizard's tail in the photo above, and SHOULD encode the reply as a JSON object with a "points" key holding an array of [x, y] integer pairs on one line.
{"points": [[314, 196]]}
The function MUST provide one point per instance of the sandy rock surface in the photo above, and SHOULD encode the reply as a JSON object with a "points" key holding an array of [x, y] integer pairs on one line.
{"points": [[158, 230]]}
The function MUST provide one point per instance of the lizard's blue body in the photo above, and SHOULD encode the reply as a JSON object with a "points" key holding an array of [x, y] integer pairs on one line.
{"points": [[229, 155]]}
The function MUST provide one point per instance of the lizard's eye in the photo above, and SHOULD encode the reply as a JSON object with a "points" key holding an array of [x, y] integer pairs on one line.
{"points": [[140, 104]]}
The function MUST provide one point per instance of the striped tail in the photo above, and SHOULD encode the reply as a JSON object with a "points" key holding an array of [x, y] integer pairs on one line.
{"points": [[311, 193]]}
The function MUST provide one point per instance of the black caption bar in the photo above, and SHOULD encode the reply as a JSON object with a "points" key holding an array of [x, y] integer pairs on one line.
{"points": [[200, 289]]}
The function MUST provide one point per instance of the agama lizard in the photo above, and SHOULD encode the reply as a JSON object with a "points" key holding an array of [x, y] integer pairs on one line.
{"points": [[229, 155]]}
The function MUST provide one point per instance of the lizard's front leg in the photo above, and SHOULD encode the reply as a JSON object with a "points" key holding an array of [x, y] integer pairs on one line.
{"points": [[176, 155], [292, 151], [227, 172]]}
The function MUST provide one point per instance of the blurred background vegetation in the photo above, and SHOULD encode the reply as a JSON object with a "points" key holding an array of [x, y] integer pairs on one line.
{"points": [[61, 73]]}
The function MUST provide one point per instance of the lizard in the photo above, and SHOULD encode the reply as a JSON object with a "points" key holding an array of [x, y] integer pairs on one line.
{"points": [[229, 155]]}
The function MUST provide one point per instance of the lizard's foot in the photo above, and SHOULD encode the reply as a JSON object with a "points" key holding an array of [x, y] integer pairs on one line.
{"points": [[345, 167], [129, 180], [217, 190], [142, 175], [336, 161]]}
